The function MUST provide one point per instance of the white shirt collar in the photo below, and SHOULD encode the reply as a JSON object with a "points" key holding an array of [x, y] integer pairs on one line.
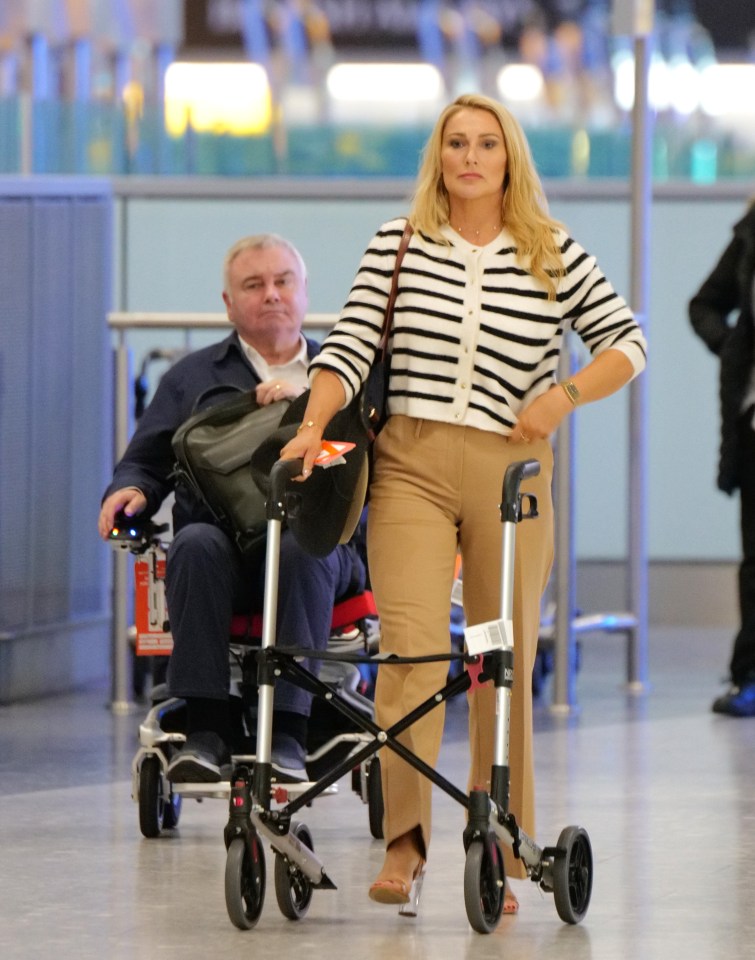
{"points": [[295, 370]]}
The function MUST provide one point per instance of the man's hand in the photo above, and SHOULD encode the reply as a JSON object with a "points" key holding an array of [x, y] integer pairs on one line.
{"points": [[128, 500], [271, 390]]}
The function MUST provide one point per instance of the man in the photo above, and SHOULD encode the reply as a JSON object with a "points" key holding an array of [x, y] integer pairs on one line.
{"points": [[207, 579]]}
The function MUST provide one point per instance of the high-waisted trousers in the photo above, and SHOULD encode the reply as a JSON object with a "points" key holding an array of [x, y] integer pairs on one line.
{"points": [[436, 491]]}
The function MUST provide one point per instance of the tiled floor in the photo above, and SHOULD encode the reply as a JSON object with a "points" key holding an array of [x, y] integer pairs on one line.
{"points": [[665, 789]]}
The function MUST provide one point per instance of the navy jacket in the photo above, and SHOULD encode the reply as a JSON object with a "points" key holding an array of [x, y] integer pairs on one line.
{"points": [[149, 460]]}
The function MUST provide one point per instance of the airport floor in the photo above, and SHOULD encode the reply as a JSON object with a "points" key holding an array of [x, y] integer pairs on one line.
{"points": [[664, 788]]}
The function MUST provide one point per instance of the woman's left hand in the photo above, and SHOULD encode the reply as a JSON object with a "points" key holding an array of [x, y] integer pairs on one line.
{"points": [[540, 419], [604, 375]]}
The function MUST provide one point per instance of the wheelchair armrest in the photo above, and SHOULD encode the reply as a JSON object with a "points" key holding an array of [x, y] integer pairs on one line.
{"points": [[135, 533]]}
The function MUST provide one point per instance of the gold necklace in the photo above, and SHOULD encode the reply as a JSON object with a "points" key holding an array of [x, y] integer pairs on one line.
{"points": [[461, 230]]}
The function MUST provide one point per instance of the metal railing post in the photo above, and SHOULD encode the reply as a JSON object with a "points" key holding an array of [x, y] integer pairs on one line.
{"points": [[637, 588], [565, 645], [120, 691]]}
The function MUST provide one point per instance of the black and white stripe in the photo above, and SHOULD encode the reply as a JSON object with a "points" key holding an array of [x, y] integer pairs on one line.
{"points": [[474, 335]]}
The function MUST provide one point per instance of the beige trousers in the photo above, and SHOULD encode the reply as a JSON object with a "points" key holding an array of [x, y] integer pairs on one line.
{"points": [[437, 489]]}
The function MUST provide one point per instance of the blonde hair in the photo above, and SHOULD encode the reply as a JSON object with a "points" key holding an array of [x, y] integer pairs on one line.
{"points": [[259, 241], [524, 209]]}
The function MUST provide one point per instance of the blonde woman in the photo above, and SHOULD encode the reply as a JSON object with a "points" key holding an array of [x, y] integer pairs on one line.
{"points": [[488, 286]]}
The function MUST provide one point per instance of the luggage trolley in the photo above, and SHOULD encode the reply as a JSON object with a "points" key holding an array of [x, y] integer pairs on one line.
{"points": [[566, 869]]}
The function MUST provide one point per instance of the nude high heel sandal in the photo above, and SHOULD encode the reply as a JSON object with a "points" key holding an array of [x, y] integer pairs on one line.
{"points": [[396, 891], [411, 907]]}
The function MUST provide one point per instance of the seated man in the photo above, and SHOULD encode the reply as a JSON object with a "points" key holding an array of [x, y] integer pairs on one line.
{"points": [[207, 578]]}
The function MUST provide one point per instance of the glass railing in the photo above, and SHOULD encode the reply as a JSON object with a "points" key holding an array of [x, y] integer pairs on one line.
{"points": [[100, 139]]}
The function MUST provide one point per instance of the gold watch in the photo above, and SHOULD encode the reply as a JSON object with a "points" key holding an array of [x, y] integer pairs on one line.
{"points": [[571, 391]]}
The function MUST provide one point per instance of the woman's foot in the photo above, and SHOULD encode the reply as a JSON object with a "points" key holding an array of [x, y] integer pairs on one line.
{"points": [[403, 865], [510, 902]]}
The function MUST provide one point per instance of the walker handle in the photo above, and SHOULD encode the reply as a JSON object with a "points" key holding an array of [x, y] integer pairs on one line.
{"points": [[511, 506], [282, 471]]}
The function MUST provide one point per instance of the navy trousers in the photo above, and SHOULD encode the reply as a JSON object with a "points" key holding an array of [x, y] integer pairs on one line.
{"points": [[207, 581]]}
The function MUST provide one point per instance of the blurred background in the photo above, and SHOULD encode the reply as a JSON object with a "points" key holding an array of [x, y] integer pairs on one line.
{"points": [[140, 138], [351, 87]]}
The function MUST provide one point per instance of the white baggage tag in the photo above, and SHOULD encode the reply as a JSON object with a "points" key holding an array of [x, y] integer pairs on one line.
{"points": [[493, 635]]}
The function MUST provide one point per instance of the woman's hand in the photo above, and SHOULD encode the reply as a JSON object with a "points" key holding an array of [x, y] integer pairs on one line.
{"points": [[306, 445], [540, 419], [325, 398], [604, 375]]}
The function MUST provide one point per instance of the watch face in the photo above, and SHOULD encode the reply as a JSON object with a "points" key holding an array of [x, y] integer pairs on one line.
{"points": [[571, 391]]}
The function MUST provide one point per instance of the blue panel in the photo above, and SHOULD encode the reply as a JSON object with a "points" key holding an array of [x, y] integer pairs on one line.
{"points": [[52, 338], [55, 401], [91, 398], [15, 411]]}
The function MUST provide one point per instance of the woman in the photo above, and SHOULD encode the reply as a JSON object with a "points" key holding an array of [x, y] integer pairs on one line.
{"points": [[487, 286], [730, 287]]}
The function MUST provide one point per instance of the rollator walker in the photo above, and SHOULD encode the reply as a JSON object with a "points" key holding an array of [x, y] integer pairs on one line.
{"points": [[259, 809]]}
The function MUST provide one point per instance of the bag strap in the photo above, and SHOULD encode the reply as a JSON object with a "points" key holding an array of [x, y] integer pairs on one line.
{"points": [[388, 319], [216, 390]]}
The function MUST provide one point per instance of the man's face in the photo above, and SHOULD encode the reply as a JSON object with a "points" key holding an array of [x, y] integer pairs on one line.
{"points": [[267, 295]]}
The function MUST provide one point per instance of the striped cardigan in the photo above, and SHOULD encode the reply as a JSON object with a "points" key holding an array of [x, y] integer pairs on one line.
{"points": [[474, 335]]}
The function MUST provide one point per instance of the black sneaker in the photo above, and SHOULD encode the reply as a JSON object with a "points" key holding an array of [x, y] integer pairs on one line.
{"points": [[204, 758], [287, 759], [737, 701]]}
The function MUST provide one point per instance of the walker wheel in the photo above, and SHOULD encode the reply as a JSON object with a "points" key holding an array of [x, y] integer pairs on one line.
{"points": [[156, 811], [375, 807], [293, 889], [484, 883], [572, 874], [245, 881]]}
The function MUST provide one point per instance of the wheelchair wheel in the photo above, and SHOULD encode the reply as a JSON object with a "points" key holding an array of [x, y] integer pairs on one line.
{"points": [[156, 811], [572, 874], [293, 890], [375, 798], [484, 882], [245, 881]]}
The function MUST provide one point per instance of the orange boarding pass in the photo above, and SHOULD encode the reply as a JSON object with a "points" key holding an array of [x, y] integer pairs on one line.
{"points": [[332, 452]]}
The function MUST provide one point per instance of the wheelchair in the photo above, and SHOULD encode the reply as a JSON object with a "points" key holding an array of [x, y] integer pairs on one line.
{"points": [[332, 739]]}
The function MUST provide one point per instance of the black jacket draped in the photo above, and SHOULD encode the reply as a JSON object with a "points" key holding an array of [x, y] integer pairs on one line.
{"points": [[729, 289]]}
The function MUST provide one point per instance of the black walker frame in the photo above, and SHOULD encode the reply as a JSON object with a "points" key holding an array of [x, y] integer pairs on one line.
{"points": [[565, 869]]}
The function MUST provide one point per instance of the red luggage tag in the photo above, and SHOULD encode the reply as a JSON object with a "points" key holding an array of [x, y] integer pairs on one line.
{"points": [[332, 452]]}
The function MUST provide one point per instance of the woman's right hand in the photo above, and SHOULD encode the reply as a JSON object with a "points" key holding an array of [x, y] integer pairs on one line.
{"points": [[327, 395], [306, 445]]}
